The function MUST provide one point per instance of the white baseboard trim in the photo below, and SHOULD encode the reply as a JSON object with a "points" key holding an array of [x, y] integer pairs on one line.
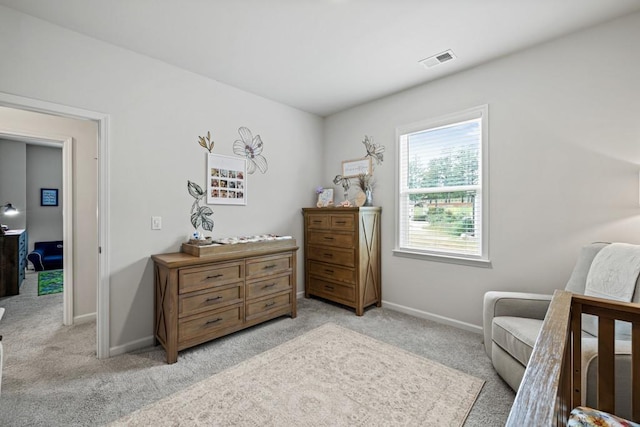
{"points": [[85, 318], [424, 315], [430, 316], [132, 346]]}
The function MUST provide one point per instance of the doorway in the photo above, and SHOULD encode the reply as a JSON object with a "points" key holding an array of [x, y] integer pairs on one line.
{"points": [[100, 275]]}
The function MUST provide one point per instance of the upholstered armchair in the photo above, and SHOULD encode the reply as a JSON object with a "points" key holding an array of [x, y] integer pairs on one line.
{"points": [[512, 321]]}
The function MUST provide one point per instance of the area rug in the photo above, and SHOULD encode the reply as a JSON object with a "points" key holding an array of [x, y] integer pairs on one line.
{"points": [[330, 376], [50, 282]]}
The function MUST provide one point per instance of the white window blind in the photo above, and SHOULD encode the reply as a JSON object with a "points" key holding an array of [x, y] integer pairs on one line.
{"points": [[441, 186]]}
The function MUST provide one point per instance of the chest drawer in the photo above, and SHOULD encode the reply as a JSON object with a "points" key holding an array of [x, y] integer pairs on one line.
{"points": [[344, 257], [195, 279], [261, 266], [341, 292], [342, 222], [209, 323], [268, 286], [332, 272], [320, 221], [265, 306], [331, 239], [197, 302]]}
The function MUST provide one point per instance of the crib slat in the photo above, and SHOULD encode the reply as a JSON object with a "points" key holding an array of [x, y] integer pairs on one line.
{"points": [[635, 372], [606, 374]]}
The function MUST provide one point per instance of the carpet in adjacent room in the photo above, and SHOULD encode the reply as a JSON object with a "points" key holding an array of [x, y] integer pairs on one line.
{"points": [[330, 375], [50, 282]]}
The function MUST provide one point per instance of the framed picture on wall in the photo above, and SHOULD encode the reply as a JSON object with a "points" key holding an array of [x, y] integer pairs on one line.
{"points": [[226, 180], [48, 197]]}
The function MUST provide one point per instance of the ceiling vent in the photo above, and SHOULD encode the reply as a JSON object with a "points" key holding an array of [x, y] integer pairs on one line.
{"points": [[438, 59]]}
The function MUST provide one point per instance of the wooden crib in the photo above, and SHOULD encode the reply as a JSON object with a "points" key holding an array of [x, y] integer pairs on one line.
{"points": [[551, 386]]}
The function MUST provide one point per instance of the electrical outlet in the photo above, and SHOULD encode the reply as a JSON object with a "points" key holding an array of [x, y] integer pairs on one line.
{"points": [[156, 222]]}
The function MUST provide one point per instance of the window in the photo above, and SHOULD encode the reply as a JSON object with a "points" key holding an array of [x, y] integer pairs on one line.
{"points": [[442, 208]]}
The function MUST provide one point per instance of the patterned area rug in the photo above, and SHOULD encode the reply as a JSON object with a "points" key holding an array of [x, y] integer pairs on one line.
{"points": [[50, 282], [328, 376]]}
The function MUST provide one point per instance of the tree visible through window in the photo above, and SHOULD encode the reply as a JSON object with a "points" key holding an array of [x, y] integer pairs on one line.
{"points": [[440, 201]]}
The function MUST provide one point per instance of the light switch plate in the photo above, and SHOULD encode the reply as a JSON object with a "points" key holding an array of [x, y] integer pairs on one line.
{"points": [[156, 222]]}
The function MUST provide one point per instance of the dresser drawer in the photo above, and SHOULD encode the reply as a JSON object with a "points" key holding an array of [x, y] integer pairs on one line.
{"points": [[261, 266], [197, 302], [342, 222], [333, 291], [321, 221], [332, 272], [195, 279], [344, 257], [268, 286], [331, 239], [209, 323], [265, 306]]}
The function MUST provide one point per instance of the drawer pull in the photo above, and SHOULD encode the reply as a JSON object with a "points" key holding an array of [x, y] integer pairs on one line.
{"points": [[329, 287], [326, 270], [317, 221], [270, 285], [270, 304], [215, 276], [341, 222], [211, 322], [270, 266], [328, 255], [328, 238], [214, 299]]}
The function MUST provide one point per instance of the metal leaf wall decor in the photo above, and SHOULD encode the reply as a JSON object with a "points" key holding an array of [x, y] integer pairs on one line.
{"points": [[200, 215]]}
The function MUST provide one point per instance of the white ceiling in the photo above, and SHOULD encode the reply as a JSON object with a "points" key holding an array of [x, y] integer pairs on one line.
{"points": [[323, 56]]}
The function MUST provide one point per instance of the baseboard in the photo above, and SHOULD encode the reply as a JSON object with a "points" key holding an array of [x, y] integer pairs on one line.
{"points": [[424, 315], [430, 316], [85, 318], [132, 346]]}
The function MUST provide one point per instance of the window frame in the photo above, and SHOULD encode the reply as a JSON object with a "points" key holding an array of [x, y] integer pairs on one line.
{"points": [[481, 260]]}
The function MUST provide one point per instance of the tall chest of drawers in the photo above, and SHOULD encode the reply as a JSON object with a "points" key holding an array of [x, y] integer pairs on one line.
{"points": [[342, 255], [13, 261], [200, 298]]}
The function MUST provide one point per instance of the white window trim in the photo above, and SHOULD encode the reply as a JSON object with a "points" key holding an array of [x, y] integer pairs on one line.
{"points": [[482, 260]]}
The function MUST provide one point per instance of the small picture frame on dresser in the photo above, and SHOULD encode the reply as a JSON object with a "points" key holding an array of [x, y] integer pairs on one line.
{"points": [[325, 198]]}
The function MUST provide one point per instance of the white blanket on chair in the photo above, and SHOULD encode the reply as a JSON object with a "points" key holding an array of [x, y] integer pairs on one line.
{"points": [[614, 272]]}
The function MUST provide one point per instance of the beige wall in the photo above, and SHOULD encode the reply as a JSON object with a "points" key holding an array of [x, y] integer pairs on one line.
{"points": [[564, 155], [156, 114], [44, 170], [84, 135], [13, 186]]}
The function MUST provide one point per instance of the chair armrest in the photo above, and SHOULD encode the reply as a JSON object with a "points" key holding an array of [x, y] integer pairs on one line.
{"points": [[516, 304], [35, 257]]}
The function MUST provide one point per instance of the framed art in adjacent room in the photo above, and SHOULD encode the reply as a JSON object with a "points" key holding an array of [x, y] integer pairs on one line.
{"points": [[48, 197], [226, 180]]}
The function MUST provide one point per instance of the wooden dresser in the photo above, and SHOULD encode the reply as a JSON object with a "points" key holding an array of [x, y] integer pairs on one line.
{"points": [[342, 255], [13, 261], [200, 298]]}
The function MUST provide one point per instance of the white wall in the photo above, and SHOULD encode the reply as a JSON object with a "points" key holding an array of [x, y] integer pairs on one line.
{"points": [[156, 114], [564, 153], [84, 134], [13, 164], [44, 170]]}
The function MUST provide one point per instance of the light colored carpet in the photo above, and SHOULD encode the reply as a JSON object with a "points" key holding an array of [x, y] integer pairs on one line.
{"points": [[52, 378], [328, 376]]}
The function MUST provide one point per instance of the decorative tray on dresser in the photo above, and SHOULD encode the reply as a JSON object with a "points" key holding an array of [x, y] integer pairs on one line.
{"points": [[342, 255], [205, 292]]}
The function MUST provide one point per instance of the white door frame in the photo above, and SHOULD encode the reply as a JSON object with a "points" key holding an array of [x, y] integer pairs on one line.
{"points": [[66, 143], [102, 120]]}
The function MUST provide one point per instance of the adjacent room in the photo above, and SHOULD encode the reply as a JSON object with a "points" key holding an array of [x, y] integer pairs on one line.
{"points": [[319, 212]]}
